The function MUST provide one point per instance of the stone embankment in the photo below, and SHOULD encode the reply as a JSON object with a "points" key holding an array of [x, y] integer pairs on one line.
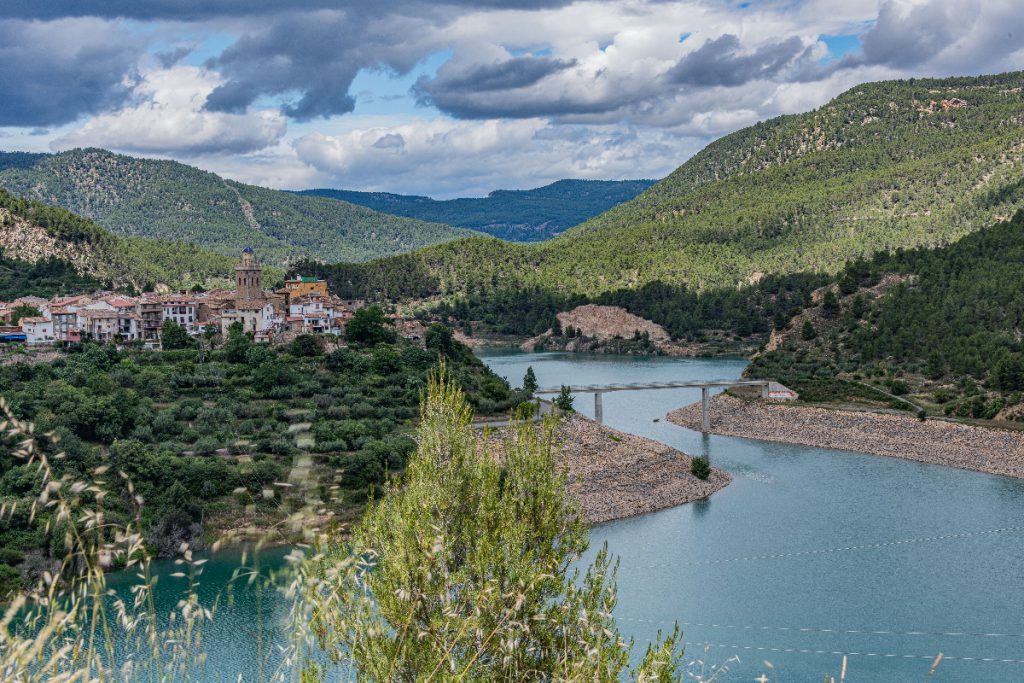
{"points": [[938, 442], [615, 475]]}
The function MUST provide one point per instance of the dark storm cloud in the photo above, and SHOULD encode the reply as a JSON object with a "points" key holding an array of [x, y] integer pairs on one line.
{"points": [[192, 10], [53, 73], [719, 62], [518, 72], [311, 53], [492, 90]]}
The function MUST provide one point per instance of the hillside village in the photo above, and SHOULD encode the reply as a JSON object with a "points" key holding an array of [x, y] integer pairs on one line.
{"points": [[303, 305]]}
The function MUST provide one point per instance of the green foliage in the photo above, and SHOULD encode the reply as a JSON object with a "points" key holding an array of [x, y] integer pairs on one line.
{"points": [[440, 338], [807, 331], [516, 215], [564, 400], [174, 336], [123, 262], [369, 326], [530, 384], [46, 278], [23, 311], [464, 570], [700, 467], [172, 201], [305, 345], [949, 311], [167, 418], [866, 172]]}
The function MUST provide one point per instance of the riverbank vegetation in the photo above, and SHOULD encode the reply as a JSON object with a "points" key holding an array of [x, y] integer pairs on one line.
{"points": [[463, 570], [208, 436], [940, 328]]}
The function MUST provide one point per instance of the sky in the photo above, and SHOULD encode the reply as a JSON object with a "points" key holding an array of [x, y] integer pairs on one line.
{"points": [[456, 97]]}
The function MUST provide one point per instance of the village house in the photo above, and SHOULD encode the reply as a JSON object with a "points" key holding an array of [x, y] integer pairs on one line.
{"points": [[65, 323], [304, 304], [38, 330], [182, 310]]}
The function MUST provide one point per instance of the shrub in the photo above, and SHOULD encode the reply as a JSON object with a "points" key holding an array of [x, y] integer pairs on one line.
{"points": [[700, 467]]}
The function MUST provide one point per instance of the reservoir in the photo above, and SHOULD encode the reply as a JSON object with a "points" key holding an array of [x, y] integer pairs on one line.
{"points": [[808, 555], [809, 552]]}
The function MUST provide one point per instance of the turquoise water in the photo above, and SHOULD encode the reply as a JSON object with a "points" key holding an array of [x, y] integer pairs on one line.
{"points": [[808, 554]]}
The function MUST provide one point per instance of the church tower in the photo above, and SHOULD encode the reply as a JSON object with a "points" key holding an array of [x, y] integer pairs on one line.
{"points": [[248, 277]]}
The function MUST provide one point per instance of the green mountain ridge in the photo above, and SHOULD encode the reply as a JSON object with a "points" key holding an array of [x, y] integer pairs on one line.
{"points": [[515, 215], [943, 325], [46, 250], [883, 166], [131, 196]]}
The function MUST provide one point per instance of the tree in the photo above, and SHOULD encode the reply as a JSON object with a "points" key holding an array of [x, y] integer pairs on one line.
{"points": [[530, 384], [564, 400], [464, 570], [807, 332], [441, 339], [830, 303], [24, 311], [304, 346], [174, 336], [236, 348], [700, 467], [369, 326]]}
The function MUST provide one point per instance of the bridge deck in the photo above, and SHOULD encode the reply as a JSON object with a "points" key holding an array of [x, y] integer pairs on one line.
{"points": [[594, 388], [705, 386]]}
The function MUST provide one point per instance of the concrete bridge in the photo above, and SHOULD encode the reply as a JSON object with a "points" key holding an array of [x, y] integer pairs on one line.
{"points": [[769, 389]]}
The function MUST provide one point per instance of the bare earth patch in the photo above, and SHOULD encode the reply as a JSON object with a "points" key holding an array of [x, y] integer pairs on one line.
{"points": [[615, 475], [995, 451]]}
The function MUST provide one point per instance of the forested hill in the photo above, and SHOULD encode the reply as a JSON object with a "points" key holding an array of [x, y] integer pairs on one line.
{"points": [[46, 250], [940, 325], [885, 165], [515, 215], [168, 200]]}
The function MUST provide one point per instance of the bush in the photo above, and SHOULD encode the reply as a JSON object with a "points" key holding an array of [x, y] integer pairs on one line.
{"points": [[700, 467], [899, 387]]}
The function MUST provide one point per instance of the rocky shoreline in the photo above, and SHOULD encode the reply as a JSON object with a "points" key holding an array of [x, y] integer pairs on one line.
{"points": [[614, 475], [937, 442]]}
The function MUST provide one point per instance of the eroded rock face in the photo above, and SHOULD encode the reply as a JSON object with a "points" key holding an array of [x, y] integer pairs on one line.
{"points": [[607, 322], [26, 242]]}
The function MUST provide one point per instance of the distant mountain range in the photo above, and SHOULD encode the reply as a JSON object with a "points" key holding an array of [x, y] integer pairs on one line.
{"points": [[884, 166], [130, 196], [514, 215]]}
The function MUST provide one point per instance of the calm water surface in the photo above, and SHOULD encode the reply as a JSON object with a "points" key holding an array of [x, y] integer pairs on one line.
{"points": [[808, 554]]}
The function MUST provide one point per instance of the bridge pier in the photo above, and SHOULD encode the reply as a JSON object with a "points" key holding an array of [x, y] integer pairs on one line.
{"points": [[765, 391], [598, 408], [705, 416]]}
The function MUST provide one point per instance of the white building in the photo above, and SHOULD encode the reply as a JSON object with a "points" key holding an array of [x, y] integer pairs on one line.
{"points": [[255, 316], [38, 330], [183, 311]]}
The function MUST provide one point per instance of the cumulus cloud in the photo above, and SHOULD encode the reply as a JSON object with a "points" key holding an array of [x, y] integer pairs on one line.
{"points": [[722, 62], [534, 88], [475, 157], [168, 117], [907, 34], [54, 72]]}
